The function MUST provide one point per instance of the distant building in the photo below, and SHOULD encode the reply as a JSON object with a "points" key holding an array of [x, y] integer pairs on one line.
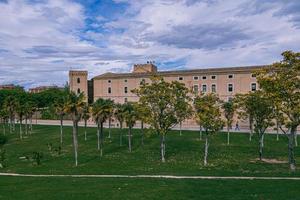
{"points": [[226, 82], [10, 87], [43, 88]]}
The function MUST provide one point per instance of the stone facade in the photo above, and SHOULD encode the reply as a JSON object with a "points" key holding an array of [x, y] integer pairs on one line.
{"points": [[78, 82]]}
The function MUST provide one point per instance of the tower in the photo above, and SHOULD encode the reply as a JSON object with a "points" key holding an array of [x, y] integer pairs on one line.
{"points": [[78, 81]]}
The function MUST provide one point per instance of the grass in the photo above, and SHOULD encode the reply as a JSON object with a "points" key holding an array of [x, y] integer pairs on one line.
{"points": [[184, 155]]}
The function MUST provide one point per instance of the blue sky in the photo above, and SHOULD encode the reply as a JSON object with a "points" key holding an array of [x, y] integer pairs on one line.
{"points": [[41, 40]]}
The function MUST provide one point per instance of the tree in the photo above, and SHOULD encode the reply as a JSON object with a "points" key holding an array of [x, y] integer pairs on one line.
{"points": [[245, 110], [86, 116], [228, 110], [20, 109], [59, 107], [10, 105], [141, 112], [184, 108], [262, 108], [3, 117], [130, 116], [207, 110], [281, 81], [119, 115], [101, 111], [74, 105], [109, 118], [160, 100]]}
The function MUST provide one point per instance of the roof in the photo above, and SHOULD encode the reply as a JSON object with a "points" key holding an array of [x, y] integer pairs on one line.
{"points": [[223, 70]]}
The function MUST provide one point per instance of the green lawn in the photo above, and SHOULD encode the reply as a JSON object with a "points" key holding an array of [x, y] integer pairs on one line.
{"points": [[184, 156]]}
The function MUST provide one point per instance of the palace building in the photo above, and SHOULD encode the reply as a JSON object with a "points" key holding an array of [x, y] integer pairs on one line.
{"points": [[226, 82]]}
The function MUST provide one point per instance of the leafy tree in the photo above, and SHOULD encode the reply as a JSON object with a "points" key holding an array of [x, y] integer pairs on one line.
{"points": [[101, 111], [110, 118], [130, 116], [20, 110], [207, 110], [74, 105], [184, 109], [281, 81], [119, 115], [160, 100], [245, 110], [86, 116], [228, 109]]}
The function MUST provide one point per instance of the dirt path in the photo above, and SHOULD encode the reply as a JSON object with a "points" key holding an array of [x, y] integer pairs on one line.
{"points": [[154, 176]]}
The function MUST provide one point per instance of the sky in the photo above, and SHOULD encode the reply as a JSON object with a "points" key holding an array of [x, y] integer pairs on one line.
{"points": [[41, 40]]}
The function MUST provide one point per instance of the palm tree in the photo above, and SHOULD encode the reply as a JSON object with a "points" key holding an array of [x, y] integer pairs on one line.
{"points": [[101, 110], [20, 109], [59, 106], [85, 116], [109, 118], [119, 115], [130, 119], [10, 105], [3, 116], [74, 105]]}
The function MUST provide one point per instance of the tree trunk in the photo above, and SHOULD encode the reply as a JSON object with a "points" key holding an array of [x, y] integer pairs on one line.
{"points": [[228, 135], [121, 135], [101, 139], [277, 131], [26, 126], [206, 150], [30, 121], [21, 136], [261, 146], [3, 126], [142, 132], [75, 141], [61, 130], [180, 127], [85, 137], [200, 132], [129, 138], [296, 140], [291, 138], [162, 147], [251, 130], [10, 124], [109, 129], [98, 135]]}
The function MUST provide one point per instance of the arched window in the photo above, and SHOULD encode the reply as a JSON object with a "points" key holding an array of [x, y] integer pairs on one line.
{"points": [[78, 80], [78, 90]]}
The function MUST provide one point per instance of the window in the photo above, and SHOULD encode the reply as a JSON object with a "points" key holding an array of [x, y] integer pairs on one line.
{"points": [[253, 75], [78, 90], [125, 90], [125, 100], [109, 90], [204, 88], [253, 86], [180, 78], [230, 87], [203, 77], [196, 77], [213, 77], [125, 80], [230, 76], [78, 80], [109, 81], [213, 88], [196, 89]]}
